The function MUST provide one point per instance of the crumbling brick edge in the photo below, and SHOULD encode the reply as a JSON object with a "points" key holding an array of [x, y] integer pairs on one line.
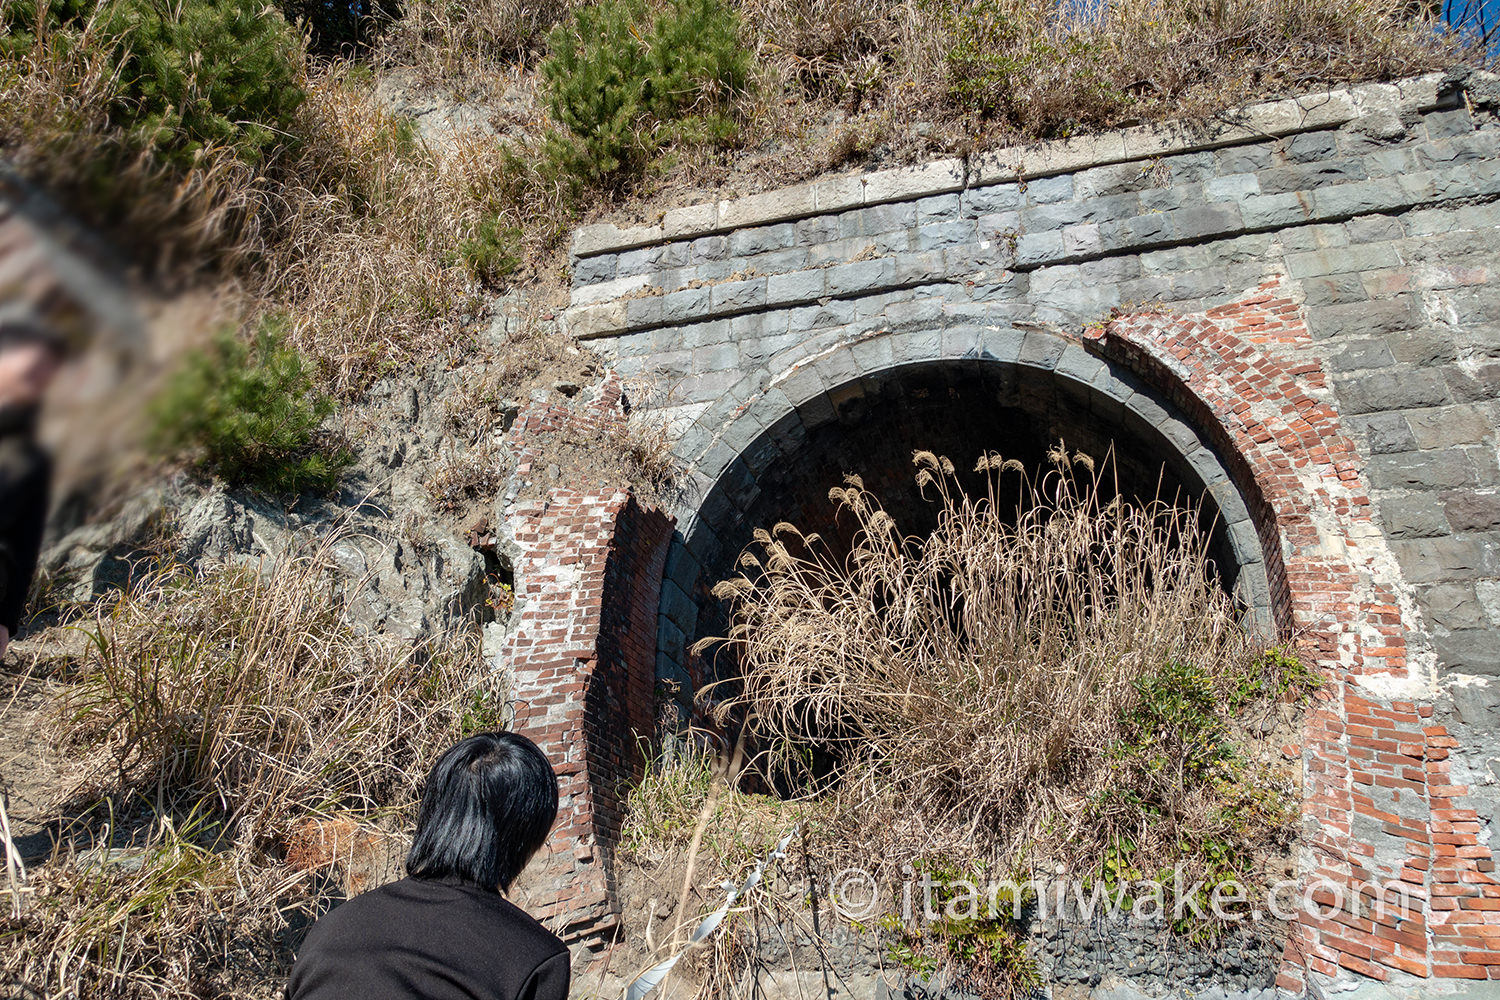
{"points": [[1381, 822], [581, 655]]}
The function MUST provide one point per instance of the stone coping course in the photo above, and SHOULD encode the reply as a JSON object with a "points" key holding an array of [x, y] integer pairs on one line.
{"points": [[1347, 154], [1383, 103]]}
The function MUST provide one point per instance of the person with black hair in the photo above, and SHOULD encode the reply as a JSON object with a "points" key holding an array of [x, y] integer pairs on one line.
{"points": [[446, 931], [30, 356]]}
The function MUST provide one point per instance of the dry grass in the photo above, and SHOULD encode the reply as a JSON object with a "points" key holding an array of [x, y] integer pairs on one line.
{"points": [[55, 127], [466, 479], [666, 809], [246, 687], [972, 686], [222, 714], [363, 257], [1046, 73], [534, 355], [690, 830], [174, 918], [357, 229], [368, 260], [987, 702], [840, 83], [642, 445], [352, 231], [462, 46], [844, 82]]}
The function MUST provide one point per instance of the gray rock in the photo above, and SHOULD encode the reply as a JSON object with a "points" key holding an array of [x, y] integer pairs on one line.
{"points": [[1475, 703], [1472, 510]]}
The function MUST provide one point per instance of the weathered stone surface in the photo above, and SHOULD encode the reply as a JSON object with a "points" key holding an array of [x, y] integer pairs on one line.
{"points": [[1453, 607], [1424, 470], [1386, 432], [1473, 510], [1452, 557], [1393, 390]]}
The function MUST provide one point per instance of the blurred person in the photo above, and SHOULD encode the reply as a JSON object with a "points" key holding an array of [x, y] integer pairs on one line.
{"points": [[447, 930], [30, 356]]}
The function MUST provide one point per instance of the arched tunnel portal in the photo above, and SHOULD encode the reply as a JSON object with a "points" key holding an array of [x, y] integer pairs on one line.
{"points": [[959, 407]]}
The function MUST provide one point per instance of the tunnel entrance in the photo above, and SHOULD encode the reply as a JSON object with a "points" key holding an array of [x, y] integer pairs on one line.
{"points": [[960, 409]]}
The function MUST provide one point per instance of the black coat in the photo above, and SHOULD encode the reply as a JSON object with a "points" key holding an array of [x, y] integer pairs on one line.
{"points": [[420, 939], [25, 475]]}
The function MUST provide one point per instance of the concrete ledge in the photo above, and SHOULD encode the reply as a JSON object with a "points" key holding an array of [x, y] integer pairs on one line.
{"points": [[1253, 123]]}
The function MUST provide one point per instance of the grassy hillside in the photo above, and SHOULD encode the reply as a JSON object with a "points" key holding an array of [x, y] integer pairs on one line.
{"points": [[269, 162], [233, 738]]}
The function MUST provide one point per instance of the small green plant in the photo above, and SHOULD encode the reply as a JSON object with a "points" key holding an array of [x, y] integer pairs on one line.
{"points": [[1278, 674], [1179, 765], [967, 932], [623, 85], [251, 414], [664, 805], [485, 712], [494, 251], [1176, 724]]}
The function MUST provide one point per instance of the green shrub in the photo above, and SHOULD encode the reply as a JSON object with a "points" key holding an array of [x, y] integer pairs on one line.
{"points": [[1176, 723], [623, 87], [1180, 765], [21, 19], [250, 413], [191, 72], [207, 71], [494, 251]]}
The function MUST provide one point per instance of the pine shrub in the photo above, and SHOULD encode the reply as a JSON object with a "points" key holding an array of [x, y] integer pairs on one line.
{"points": [[207, 71], [191, 73], [249, 413], [494, 251], [624, 85]]}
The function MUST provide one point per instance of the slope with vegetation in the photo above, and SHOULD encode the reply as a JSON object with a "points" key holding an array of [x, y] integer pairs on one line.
{"points": [[238, 728]]}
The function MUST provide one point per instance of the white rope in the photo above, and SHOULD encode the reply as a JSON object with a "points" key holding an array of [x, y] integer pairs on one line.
{"points": [[652, 978], [15, 869]]}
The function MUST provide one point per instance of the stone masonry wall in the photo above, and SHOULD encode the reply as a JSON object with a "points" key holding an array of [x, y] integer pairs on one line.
{"points": [[1298, 299]]}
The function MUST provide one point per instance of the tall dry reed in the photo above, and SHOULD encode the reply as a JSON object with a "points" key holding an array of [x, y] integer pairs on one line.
{"points": [[971, 685]]}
